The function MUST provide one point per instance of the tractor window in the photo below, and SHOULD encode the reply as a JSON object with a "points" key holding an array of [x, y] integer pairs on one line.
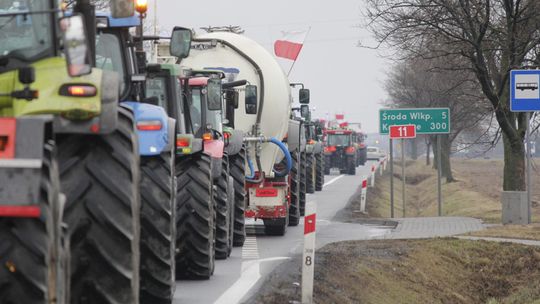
{"points": [[109, 57], [339, 140], [157, 87], [25, 37], [195, 110]]}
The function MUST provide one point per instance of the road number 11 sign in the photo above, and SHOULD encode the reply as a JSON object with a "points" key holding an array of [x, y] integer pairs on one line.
{"points": [[402, 131]]}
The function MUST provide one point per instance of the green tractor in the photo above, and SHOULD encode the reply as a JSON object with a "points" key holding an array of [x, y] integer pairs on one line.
{"points": [[69, 163]]}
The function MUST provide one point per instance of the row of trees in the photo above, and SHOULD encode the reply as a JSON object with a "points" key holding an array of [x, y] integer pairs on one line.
{"points": [[479, 40]]}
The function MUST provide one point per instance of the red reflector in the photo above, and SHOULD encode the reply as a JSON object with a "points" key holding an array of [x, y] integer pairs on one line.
{"points": [[309, 223], [182, 142], [20, 211], [8, 128], [364, 183], [226, 135], [266, 192], [81, 90], [149, 125], [349, 150]]}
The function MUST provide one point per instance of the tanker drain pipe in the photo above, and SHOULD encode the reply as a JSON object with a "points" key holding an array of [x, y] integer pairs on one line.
{"points": [[282, 147], [287, 157]]}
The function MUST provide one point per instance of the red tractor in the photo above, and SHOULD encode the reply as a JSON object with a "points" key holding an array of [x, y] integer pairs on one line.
{"points": [[340, 151]]}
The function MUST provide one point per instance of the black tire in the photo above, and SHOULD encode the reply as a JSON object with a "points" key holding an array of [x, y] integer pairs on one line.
{"points": [[319, 171], [302, 195], [294, 208], [30, 248], [327, 165], [194, 218], [277, 227], [237, 171], [223, 211], [158, 229], [99, 175], [310, 173], [351, 166], [231, 214]]}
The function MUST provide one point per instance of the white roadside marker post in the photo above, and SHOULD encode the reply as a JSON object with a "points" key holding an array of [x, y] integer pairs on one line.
{"points": [[381, 167], [363, 196], [308, 257], [372, 176]]}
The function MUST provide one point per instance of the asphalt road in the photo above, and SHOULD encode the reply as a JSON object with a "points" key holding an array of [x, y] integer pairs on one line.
{"points": [[241, 275]]}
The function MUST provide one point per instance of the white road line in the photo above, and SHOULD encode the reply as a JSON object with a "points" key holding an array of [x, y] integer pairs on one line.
{"points": [[250, 250], [250, 275], [333, 180]]}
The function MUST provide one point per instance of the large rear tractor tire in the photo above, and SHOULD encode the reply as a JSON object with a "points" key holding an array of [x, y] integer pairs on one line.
{"points": [[319, 171], [351, 166], [158, 229], [294, 208], [31, 249], [236, 169], [99, 175], [223, 212], [195, 218], [302, 195], [310, 173]]}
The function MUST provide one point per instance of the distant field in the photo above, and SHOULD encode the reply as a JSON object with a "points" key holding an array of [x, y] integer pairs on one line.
{"points": [[475, 194]]}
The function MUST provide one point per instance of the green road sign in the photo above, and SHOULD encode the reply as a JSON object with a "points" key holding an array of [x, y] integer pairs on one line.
{"points": [[427, 120]]}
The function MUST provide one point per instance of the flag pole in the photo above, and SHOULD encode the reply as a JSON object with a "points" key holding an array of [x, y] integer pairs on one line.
{"points": [[292, 66]]}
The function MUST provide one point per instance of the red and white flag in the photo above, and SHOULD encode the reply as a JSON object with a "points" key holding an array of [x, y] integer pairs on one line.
{"points": [[290, 45], [340, 116]]}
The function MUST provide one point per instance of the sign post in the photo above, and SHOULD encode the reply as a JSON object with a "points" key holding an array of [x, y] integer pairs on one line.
{"points": [[439, 176], [426, 121], [391, 178], [525, 97], [308, 257], [402, 132]]}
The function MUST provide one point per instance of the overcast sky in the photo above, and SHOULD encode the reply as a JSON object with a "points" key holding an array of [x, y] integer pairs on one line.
{"points": [[342, 77]]}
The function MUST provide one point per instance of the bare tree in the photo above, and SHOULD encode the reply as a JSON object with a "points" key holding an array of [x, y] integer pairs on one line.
{"points": [[494, 36], [421, 83]]}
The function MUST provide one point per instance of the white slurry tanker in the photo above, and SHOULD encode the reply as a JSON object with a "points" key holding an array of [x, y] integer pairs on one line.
{"points": [[261, 110]]}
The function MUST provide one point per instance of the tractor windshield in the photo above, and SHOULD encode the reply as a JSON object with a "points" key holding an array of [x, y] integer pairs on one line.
{"points": [[339, 140], [157, 87], [25, 30], [109, 56], [198, 105]]}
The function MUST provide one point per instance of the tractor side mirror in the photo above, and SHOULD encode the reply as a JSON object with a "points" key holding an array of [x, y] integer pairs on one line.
{"points": [[180, 42], [304, 96], [231, 96], [75, 45], [122, 8], [251, 99], [214, 94], [304, 111]]}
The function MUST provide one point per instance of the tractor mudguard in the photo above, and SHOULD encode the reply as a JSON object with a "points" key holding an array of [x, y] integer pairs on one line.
{"points": [[154, 139], [236, 141], [20, 167], [293, 135], [215, 148], [171, 144], [318, 147], [106, 122]]}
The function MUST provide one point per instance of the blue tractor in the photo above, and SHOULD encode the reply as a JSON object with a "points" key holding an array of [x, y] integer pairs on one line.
{"points": [[115, 50]]}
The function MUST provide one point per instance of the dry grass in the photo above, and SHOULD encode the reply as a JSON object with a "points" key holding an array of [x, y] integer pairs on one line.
{"points": [[476, 193], [524, 232], [419, 271]]}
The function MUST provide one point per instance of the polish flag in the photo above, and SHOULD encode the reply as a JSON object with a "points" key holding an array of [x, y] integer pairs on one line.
{"points": [[290, 45]]}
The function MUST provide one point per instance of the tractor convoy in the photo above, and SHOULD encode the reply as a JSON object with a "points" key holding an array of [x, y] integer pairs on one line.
{"points": [[120, 174]]}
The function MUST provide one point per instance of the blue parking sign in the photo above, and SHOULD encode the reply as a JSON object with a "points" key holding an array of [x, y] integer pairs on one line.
{"points": [[524, 90]]}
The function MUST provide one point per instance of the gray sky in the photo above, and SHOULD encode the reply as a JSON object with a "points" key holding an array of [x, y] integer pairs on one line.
{"points": [[342, 77]]}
